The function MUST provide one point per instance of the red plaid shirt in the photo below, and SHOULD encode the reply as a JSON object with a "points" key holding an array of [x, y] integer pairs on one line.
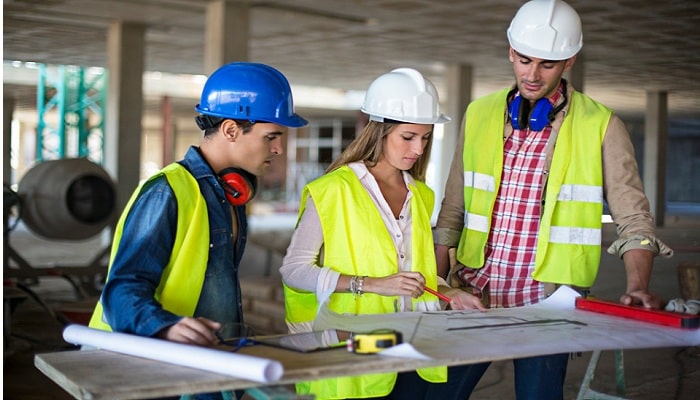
{"points": [[510, 249]]}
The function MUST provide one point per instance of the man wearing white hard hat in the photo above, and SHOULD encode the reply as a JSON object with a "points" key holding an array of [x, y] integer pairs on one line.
{"points": [[363, 243], [524, 197]]}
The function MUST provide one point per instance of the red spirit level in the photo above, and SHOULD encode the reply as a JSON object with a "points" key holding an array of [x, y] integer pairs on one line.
{"points": [[669, 318]]}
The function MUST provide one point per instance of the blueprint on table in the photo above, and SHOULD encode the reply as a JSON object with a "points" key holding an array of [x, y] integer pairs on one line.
{"points": [[552, 326]]}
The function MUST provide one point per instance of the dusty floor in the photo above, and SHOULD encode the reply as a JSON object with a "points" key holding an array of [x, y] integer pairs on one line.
{"points": [[658, 374]]}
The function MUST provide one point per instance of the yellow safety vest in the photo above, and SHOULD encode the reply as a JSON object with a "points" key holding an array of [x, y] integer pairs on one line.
{"points": [[569, 237], [183, 277], [347, 214]]}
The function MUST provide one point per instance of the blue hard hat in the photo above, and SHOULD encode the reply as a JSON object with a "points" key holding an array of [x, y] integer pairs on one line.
{"points": [[251, 91]]}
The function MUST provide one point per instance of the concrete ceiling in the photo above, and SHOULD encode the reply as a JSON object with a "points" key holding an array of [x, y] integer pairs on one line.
{"points": [[630, 46]]}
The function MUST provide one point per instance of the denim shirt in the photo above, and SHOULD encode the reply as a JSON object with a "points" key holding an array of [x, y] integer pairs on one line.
{"points": [[145, 249]]}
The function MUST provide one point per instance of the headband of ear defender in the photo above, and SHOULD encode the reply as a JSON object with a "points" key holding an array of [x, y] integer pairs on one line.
{"points": [[239, 185]]}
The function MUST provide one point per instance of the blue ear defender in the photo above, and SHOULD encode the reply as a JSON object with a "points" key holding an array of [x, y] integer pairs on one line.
{"points": [[521, 116], [541, 115], [537, 118]]}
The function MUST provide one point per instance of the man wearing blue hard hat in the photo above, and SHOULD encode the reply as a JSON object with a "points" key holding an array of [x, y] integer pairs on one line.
{"points": [[173, 271]]}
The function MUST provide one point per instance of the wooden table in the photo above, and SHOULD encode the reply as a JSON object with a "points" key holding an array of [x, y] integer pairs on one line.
{"points": [[101, 374], [447, 338]]}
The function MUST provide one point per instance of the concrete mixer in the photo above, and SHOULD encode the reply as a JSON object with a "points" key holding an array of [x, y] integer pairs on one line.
{"points": [[66, 200]]}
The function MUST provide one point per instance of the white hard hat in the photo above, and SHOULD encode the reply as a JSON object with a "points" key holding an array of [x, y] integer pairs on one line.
{"points": [[403, 95], [546, 29]]}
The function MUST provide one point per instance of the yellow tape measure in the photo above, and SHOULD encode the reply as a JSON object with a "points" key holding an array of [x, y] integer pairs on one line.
{"points": [[373, 342]]}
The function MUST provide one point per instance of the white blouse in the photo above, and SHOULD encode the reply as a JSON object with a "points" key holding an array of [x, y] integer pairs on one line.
{"points": [[302, 266]]}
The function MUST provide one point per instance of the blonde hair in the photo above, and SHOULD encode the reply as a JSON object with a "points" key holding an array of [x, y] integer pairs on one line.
{"points": [[368, 147]]}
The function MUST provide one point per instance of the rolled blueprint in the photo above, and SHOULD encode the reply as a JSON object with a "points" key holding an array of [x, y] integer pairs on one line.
{"points": [[222, 362]]}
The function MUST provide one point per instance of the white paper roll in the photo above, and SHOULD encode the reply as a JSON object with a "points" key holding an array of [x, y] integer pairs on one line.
{"points": [[222, 362]]}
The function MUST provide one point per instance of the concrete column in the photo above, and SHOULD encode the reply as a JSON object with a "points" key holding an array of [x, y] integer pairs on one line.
{"points": [[458, 81], [655, 140], [167, 131], [576, 73], [226, 33], [125, 63], [8, 108]]}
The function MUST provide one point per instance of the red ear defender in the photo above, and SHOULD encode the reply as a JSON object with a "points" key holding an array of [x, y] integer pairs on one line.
{"points": [[239, 185]]}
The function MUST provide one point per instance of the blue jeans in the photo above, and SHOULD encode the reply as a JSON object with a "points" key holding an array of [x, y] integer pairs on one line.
{"points": [[536, 378]]}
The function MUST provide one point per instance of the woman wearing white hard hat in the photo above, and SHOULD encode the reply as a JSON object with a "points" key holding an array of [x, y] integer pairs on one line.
{"points": [[363, 243], [556, 144]]}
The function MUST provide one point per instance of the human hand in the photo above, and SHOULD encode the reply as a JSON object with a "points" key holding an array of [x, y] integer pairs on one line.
{"points": [[400, 284], [641, 297], [198, 331], [462, 300], [638, 265]]}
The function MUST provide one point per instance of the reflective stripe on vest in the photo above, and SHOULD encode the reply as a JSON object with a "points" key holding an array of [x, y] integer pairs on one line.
{"points": [[475, 222], [584, 193], [568, 246], [569, 235], [572, 235], [479, 181], [183, 277], [347, 213]]}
